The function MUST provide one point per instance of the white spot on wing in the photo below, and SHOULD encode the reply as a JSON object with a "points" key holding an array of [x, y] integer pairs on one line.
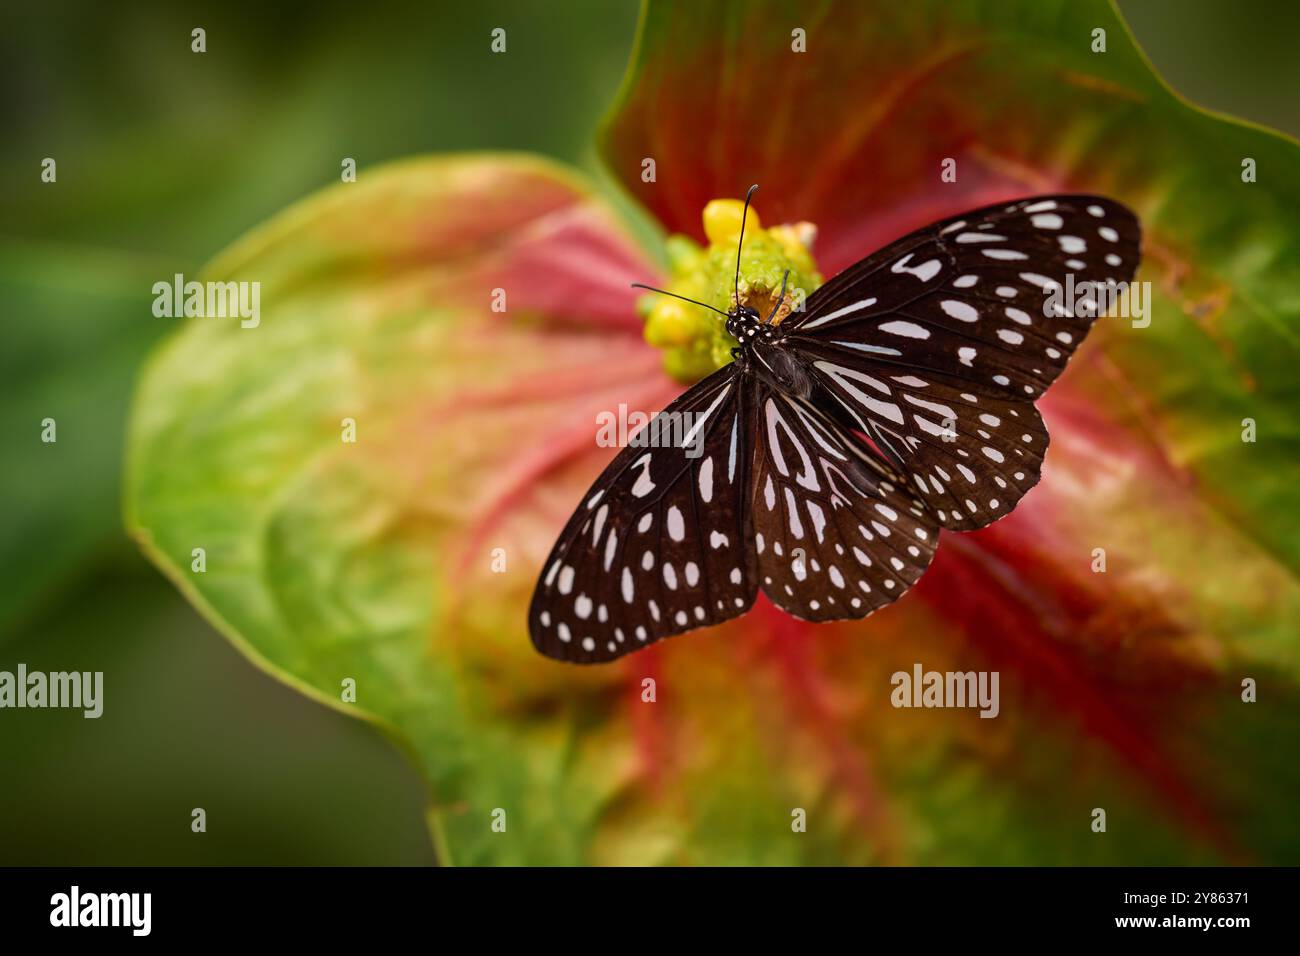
{"points": [[731, 459], [961, 311], [944, 410], [861, 347], [1041, 281], [611, 546], [847, 310], [792, 513], [689, 438], [676, 526], [706, 480], [909, 330], [818, 519], [643, 484], [925, 271]]}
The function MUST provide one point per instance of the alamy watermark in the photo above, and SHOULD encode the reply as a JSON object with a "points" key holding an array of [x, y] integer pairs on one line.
{"points": [[75, 690], [1089, 299], [922, 688], [634, 429], [219, 300], [75, 908]]}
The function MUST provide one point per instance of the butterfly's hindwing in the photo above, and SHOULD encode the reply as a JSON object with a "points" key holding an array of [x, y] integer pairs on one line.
{"points": [[970, 456], [659, 545], [836, 532], [936, 346]]}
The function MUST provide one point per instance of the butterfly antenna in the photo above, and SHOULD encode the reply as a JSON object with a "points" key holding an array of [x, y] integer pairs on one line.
{"points": [[741, 244], [779, 299], [650, 288]]}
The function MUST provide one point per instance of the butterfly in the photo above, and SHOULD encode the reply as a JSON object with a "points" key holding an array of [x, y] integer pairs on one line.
{"points": [[821, 464]]}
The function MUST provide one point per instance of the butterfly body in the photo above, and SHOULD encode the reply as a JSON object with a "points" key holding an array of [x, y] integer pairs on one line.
{"points": [[822, 463], [761, 350]]}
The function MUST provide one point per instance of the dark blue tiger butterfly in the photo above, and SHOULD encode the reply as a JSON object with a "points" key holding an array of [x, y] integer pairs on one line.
{"points": [[823, 461]]}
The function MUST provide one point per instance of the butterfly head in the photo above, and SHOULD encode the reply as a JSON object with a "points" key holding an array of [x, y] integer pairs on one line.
{"points": [[743, 324]]}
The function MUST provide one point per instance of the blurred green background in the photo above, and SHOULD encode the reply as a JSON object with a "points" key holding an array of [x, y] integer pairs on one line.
{"points": [[164, 156]]}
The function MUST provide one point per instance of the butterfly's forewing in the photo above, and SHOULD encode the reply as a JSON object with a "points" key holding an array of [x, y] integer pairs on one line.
{"points": [[936, 346], [659, 544], [836, 531]]}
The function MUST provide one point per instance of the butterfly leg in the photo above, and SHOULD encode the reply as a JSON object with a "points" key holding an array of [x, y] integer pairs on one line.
{"points": [[779, 299]]}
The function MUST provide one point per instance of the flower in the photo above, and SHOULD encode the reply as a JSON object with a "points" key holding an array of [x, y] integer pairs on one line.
{"points": [[472, 315], [774, 264]]}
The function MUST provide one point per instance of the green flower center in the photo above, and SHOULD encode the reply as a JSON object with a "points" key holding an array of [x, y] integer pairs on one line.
{"points": [[695, 340]]}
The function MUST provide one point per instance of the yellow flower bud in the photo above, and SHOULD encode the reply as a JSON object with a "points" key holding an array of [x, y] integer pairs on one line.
{"points": [[796, 240], [688, 365], [683, 254], [722, 221], [670, 324]]}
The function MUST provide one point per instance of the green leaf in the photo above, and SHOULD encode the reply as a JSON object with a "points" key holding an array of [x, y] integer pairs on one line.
{"points": [[328, 560]]}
